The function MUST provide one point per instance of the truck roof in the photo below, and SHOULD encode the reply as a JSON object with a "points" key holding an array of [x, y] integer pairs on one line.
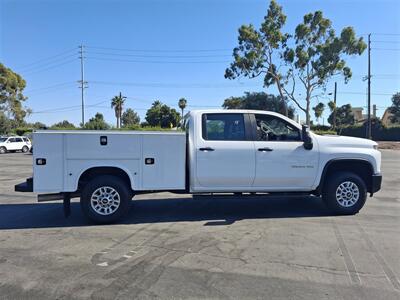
{"points": [[108, 132], [249, 111], [221, 110]]}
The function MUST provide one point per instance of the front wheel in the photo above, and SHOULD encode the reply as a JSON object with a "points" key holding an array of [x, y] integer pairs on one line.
{"points": [[105, 199], [345, 193]]}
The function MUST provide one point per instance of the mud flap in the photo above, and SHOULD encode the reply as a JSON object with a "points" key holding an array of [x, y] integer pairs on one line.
{"points": [[67, 204]]}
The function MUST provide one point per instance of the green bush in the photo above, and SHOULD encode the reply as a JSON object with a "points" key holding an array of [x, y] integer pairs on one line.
{"points": [[144, 128], [379, 133], [325, 132], [22, 130], [315, 128]]}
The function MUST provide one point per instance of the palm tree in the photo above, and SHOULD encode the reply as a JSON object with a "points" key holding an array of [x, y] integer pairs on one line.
{"points": [[182, 104], [117, 103]]}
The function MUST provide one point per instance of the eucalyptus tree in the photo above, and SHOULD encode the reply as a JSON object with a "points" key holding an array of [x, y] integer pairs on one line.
{"points": [[318, 110], [11, 95], [299, 64]]}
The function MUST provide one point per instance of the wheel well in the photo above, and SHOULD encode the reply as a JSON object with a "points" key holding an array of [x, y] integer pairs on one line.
{"points": [[96, 171], [361, 168]]}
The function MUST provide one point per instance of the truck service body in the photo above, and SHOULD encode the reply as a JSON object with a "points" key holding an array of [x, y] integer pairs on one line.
{"points": [[219, 151]]}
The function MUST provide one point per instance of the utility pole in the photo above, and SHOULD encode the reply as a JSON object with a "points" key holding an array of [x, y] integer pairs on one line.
{"points": [[369, 136], [82, 83], [334, 110]]}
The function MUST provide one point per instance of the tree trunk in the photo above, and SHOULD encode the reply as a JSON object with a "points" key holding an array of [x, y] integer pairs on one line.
{"points": [[285, 109], [308, 111]]}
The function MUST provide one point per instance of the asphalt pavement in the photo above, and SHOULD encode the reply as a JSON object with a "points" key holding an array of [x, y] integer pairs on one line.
{"points": [[178, 247]]}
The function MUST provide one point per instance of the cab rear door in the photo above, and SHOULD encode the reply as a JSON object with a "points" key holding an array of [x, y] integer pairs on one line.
{"points": [[225, 157]]}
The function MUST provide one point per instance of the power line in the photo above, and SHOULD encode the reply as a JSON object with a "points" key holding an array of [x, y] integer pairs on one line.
{"points": [[386, 42], [174, 85], [50, 87], [67, 108], [47, 58], [52, 67], [158, 62], [388, 34], [160, 51], [32, 68], [360, 93], [158, 56], [387, 49]]}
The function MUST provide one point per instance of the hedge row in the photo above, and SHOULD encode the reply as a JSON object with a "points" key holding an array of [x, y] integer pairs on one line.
{"points": [[378, 133]]}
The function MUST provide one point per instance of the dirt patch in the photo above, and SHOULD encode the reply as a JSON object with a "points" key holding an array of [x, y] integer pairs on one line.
{"points": [[389, 145]]}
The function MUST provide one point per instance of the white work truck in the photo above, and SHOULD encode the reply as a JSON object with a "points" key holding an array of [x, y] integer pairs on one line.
{"points": [[217, 151]]}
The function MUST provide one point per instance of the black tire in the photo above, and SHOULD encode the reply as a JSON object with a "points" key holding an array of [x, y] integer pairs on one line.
{"points": [[3, 150], [112, 183], [346, 202], [25, 149]]}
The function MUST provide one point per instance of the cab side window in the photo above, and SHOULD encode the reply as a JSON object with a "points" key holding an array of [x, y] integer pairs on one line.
{"points": [[18, 140], [272, 128], [11, 140], [224, 127]]}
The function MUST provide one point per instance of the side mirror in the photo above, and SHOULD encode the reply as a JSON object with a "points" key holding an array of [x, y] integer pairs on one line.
{"points": [[307, 140]]}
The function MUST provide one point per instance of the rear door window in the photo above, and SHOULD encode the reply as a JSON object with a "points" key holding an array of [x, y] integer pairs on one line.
{"points": [[224, 127]]}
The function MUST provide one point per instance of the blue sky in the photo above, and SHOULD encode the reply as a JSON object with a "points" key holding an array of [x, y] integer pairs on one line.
{"points": [[181, 50]]}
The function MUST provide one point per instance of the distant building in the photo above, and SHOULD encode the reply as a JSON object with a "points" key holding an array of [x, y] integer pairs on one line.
{"points": [[386, 118], [359, 117], [358, 114]]}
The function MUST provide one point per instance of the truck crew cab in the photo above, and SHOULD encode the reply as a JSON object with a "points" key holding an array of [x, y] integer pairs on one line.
{"points": [[219, 151]]}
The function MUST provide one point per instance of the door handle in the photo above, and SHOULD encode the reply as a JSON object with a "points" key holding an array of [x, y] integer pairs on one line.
{"points": [[266, 149], [206, 149]]}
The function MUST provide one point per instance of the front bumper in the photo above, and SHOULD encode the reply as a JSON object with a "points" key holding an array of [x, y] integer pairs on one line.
{"points": [[25, 187], [376, 183]]}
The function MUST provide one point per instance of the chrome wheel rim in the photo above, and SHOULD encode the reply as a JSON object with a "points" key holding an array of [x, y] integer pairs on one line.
{"points": [[105, 200], [347, 194]]}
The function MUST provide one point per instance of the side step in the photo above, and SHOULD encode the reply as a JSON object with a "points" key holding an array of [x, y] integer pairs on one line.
{"points": [[56, 196]]}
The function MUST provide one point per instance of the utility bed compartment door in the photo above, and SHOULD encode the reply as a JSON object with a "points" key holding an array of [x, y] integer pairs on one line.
{"points": [[88, 146], [48, 177], [163, 160]]}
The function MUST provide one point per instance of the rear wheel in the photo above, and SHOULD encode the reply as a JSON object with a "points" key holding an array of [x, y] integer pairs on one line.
{"points": [[3, 150], [105, 199], [345, 193], [25, 149]]}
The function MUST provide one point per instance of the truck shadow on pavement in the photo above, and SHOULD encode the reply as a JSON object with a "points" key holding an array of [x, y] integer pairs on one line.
{"points": [[213, 210]]}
